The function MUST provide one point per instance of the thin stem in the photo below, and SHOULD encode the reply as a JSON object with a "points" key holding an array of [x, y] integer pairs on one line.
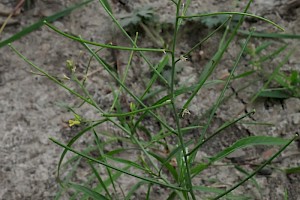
{"points": [[233, 13], [126, 34], [90, 98], [103, 45], [205, 39], [258, 169], [141, 147], [52, 78], [274, 73], [172, 94], [220, 98], [116, 168], [135, 111], [225, 126], [174, 2], [127, 89], [214, 61], [124, 75]]}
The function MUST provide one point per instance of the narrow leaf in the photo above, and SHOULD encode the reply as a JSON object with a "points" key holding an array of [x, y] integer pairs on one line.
{"points": [[40, 23], [249, 141], [279, 94], [219, 191], [150, 180], [293, 170], [133, 189], [87, 191], [106, 4]]}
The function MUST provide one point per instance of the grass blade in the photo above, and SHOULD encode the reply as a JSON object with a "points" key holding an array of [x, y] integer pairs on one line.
{"points": [[249, 141], [293, 170], [52, 78], [110, 180], [220, 191], [100, 179], [273, 75], [280, 93], [76, 137], [221, 96], [271, 35], [149, 180], [259, 168], [40, 23], [127, 89], [234, 13], [107, 6], [87, 191], [133, 189], [159, 68], [78, 39], [67, 179]]}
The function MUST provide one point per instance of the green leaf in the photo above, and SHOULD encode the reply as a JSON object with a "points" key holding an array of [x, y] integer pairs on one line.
{"points": [[175, 152], [242, 75], [70, 174], [106, 4], [273, 54], [150, 180], [220, 191], [259, 168], [87, 191], [40, 23], [165, 164], [163, 62], [199, 168], [213, 21], [133, 189], [263, 46], [294, 78], [172, 196], [99, 188], [253, 180], [249, 141], [274, 74], [72, 141], [293, 170], [124, 161], [282, 80], [279, 94], [271, 35], [100, 179]]}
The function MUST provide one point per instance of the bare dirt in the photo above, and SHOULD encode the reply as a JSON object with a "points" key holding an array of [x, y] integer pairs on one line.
{"points": [[29, 111]]}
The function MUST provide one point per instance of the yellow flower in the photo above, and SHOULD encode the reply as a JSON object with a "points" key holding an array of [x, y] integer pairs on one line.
{"points": [[73, 122]]}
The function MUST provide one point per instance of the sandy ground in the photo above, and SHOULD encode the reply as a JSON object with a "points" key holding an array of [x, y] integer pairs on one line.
{"points": [[29, 111]]}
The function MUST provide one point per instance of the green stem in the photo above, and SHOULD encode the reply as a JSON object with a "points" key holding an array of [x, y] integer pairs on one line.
{"points": [[52, 78], [127, 89], [116, 168], [126, 34], [205, 39], [234, 13], [172, 94], [258, 169], [136, 111], [124, 75], [220, 98], [103, 45]]}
